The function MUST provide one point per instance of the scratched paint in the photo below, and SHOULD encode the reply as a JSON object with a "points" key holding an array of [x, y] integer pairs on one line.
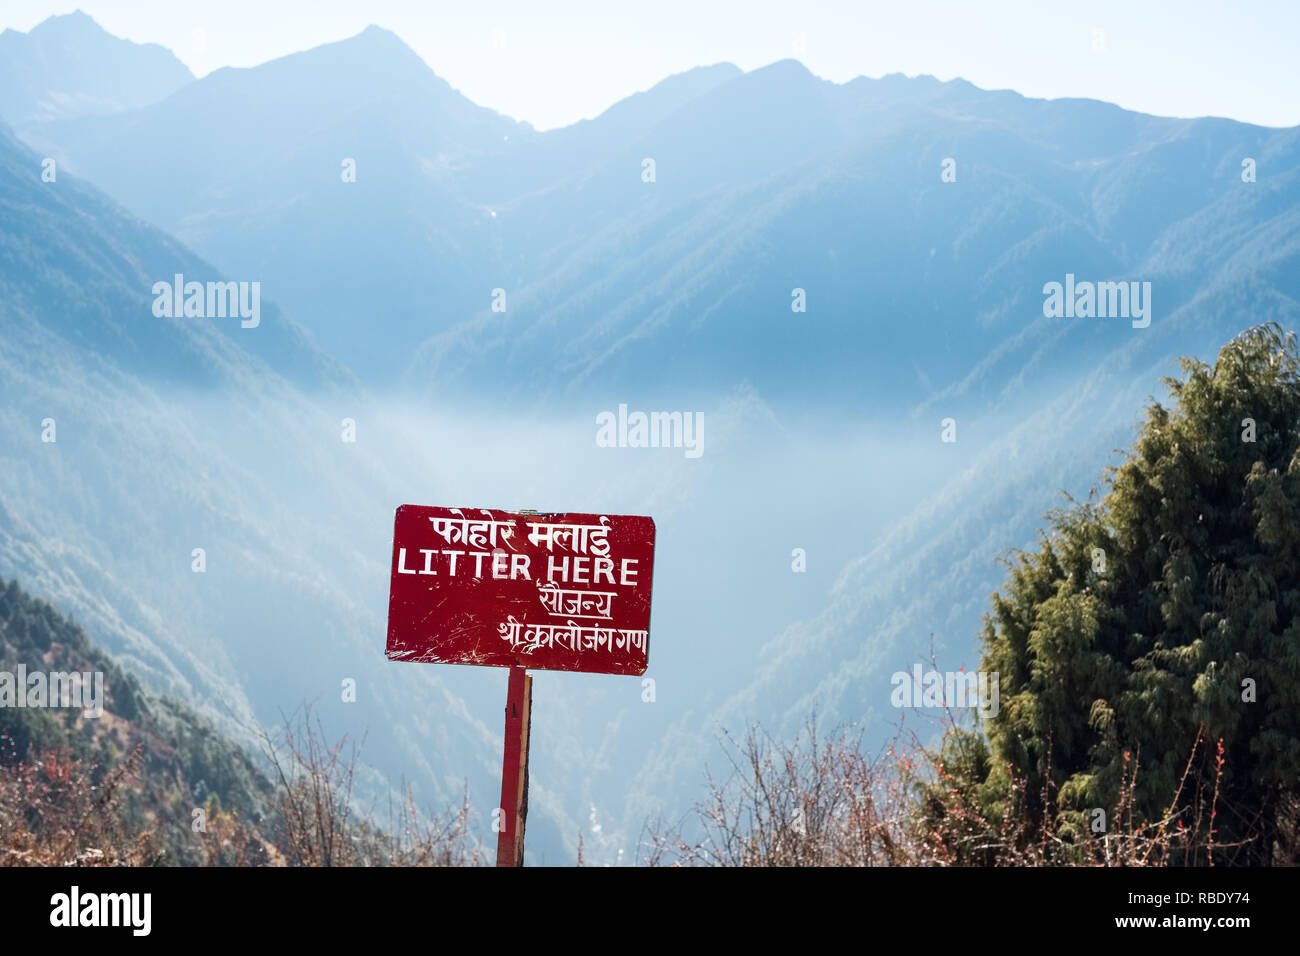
{"points": [[502, 588]]}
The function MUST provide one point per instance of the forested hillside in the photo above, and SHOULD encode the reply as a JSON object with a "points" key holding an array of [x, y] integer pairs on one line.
{"points": [[126, 783]]}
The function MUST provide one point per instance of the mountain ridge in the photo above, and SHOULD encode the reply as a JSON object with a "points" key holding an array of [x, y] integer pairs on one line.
{"points": [[924, 302], [68, 65]]}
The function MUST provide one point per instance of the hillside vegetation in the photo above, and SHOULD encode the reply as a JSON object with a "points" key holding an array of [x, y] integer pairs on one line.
{"points": [[150, 782], [1148, 665]]}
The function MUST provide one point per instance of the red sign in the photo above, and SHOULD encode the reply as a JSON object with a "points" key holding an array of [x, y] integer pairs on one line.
{"points": [[567, 592]]}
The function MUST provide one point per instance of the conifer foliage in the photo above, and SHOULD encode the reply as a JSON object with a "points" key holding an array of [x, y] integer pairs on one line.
{"points": [[1149, 651]]}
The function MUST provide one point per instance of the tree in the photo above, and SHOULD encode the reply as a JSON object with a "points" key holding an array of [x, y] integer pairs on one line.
{"points": [[1149, 652]]}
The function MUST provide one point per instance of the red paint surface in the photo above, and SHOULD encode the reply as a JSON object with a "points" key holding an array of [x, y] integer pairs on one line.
{"points": [[514, 765], [481, 614]]}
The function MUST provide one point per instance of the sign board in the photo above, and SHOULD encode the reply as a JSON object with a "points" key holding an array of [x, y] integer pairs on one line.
{"points": [[568, 592]]}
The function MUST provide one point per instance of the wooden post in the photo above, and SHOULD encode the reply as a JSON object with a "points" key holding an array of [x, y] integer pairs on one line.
{"points": [[514, 768]]}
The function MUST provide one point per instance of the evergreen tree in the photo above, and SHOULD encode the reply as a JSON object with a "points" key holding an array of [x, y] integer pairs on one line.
{"points": [[1163, 619]]}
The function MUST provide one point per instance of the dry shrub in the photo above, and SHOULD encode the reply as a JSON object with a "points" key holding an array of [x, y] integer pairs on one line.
{"points": [[810, 802], [54, 813], [818, 802], [314, 807]]}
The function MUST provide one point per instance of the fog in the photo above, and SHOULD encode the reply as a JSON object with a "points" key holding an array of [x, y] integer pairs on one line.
{"points": [[295, 527], [728, 523]]}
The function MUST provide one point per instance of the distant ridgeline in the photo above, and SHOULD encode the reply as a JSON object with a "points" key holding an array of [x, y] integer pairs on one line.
{"points": [[53, 682]]}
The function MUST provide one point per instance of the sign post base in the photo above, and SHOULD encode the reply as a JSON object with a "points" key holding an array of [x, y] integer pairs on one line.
{"points": [[514, 768]]}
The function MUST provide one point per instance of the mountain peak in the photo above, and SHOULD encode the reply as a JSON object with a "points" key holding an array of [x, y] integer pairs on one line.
{"points": [[781, 78], [374, 48], [68, 65], [76, 23], [375, 37], [789, 67]]}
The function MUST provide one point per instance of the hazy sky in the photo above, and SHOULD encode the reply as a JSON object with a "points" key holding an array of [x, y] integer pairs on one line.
{"points": [[558, 61]]}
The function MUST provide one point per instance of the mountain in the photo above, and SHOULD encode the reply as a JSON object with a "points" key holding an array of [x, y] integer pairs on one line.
{"points": [[107, 263], [247, 166], [183, 762], [765, 182], [83, 349], [182, 485], [68, 66], [777, 181], [823, 427], [189, 491]]}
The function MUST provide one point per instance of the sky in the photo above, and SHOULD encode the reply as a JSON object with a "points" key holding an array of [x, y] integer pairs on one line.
{"points": [[560, 61]]}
